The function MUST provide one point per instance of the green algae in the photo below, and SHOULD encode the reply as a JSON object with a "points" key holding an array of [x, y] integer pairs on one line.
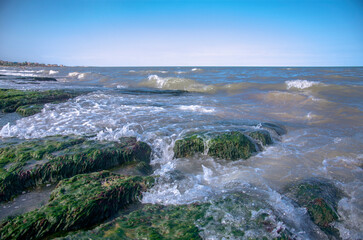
{"points": [[28, 103], [28, 110], [63, 157], [77, 202], [320, 198], [150, 222], [231, 146], [188, 146], [193, 221], [261, 136]]}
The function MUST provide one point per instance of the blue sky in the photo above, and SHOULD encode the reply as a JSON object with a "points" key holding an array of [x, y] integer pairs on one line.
{"points": [[183, 33]]}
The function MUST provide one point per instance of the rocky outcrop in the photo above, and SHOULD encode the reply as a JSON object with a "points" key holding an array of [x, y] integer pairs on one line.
{"points": [[76, 203], [194, 221], [37, 162], [320, 198], [232, 145], [188, 146], [27, 103]]}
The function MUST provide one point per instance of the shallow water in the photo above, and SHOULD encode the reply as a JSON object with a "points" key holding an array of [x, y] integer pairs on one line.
{"points": [[322, 109]]}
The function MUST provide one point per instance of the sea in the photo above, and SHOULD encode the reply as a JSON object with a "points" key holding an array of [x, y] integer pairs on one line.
{"points": [[320, 107]]}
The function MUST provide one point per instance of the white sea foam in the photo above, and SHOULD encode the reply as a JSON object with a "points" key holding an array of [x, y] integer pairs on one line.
{"points": [[300, 84], [73, 74], [81, 75], [196, 70], [197, 108], [52, 72]]}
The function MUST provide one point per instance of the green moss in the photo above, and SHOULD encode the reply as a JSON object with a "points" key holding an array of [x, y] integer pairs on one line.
{"points": [[28, 110], [231, 146], [63, 157], [27, 103], [261, 136], [188, 146], [320, 198], [78, 202]]}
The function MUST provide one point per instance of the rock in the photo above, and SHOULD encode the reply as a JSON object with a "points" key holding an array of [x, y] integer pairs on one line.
{"points": [[320, 198], [77, 202], [28, 110], [39, 162], [231, 146], [30, 102], [39, 79], [262, 137], [188, 146], [229, 217], [150, 222], [280, 130]]}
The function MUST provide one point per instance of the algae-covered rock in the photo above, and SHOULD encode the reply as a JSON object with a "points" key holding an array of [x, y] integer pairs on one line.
{"points": [[320, 198], [38, 162], [151, 222], [188, 146], [231, 146], [236, 216], [261, 136], [28, 110], [77, 202], [30, 102]]}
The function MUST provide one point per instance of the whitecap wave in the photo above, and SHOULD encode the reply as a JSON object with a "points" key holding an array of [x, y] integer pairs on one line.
{"points": [[73, 74], [52, 72], [175, 83], [197, 70], [300, 84]]}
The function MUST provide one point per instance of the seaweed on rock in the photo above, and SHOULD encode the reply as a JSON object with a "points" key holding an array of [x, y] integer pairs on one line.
{"points": [[77, 202], [188, 146], [320, 198], [193, 221], [232, 146], [63, 158], [27, 103]]}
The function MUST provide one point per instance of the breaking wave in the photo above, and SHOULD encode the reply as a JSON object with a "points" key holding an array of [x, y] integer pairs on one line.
{"points": [[175, 83], [300, 84]]}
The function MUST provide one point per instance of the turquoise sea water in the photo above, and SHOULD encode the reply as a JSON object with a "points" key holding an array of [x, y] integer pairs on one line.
{"points": [[322, 109]]}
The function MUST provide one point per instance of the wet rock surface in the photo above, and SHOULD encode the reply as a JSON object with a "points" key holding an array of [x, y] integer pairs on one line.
{"points": [[232, 145], [38, 162], [320, 198], [77, 202], [28, 103], [235, 216]]}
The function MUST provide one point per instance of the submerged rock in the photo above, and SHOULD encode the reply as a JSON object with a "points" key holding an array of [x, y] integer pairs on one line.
{"points": [[38, 79], [77, 202], [320, 198], [230, 145], [280, 130], [37, 162], [28, 103]]}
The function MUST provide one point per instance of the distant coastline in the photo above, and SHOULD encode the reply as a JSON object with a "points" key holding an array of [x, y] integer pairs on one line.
{"points": [[26, 64]]}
